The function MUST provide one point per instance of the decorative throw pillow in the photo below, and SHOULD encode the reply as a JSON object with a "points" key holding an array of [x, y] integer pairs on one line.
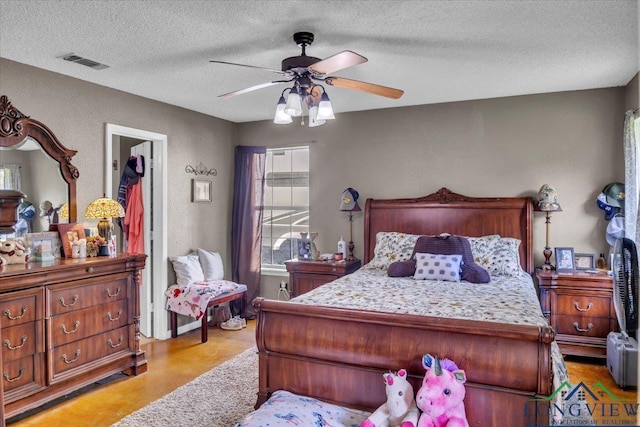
{"points": [[188, 269], [392, 246], [212, 265], [454, 245], [402, 268], [438, 267], [499, 255]]}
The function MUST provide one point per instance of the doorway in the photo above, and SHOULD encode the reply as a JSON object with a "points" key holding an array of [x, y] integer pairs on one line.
{"points": [[120, 141]]}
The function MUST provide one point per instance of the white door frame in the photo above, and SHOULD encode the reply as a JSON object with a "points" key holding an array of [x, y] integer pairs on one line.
{"points": [[159, 253]]}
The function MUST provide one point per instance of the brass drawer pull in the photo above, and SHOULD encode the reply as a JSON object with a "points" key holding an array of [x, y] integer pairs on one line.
{"points": [[90, 270], [68, 361], [63, 328], [7, 343], [112, 345], [589, 327], [7, 313], [108, 316], [110, 295], [5, 375], [577, 306], [73, 302]]}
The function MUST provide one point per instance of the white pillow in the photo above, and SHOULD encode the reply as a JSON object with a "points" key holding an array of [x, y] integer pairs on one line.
{"points": [[212, 265], [438, 267], [188, 269]]}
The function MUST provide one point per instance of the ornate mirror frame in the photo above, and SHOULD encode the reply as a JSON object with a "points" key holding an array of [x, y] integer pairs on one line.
{"points": [[15, 127]]}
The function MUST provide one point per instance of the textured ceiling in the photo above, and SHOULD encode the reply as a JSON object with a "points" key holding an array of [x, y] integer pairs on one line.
{"points": [[436, 51]]}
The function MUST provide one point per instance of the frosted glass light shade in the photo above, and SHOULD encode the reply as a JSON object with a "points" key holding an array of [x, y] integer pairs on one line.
{"points": [[294, 104], [281, 117], [313, 117], [325, 110]]}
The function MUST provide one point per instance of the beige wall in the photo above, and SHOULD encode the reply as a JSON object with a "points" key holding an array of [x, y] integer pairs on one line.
{"points": [[77, 111], [495, 147]]}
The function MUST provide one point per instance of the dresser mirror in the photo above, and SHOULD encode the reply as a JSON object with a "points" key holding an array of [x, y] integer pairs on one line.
{"points": [[49, 178]]}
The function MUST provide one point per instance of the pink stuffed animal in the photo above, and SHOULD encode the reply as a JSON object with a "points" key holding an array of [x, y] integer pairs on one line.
{"points": [[400, 410], [442, 393]]}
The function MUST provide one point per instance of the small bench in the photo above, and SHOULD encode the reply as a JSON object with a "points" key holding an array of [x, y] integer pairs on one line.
{"points": [[239, 294]]}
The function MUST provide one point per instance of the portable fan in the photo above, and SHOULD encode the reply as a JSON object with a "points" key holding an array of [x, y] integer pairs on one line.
{"points": [[625, 288], [622, 347]]}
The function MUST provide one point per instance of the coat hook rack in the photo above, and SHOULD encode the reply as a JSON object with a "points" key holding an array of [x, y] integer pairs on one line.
{"points": [[200, 170]]}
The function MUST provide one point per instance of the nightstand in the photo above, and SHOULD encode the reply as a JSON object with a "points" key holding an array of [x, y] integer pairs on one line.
{"points": [[307, 275], [579, 307]]}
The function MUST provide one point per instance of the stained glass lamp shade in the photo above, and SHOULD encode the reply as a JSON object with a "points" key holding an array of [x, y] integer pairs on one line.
{"points": [[104, 209]]}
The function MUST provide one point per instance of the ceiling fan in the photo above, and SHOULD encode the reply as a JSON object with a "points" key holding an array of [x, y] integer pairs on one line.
{"points": [[303, 70]]}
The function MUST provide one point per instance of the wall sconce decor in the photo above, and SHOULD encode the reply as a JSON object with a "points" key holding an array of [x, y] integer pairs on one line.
{"points": [[200, 170]]}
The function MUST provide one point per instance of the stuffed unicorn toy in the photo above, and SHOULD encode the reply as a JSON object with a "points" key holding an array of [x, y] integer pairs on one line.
{"points": [[442, 393], [400, 410]]}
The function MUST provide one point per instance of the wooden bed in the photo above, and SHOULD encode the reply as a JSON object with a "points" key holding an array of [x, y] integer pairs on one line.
{"points": [[338, 355]]}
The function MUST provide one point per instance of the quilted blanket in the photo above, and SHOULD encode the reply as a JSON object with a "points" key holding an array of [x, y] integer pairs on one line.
{"points": [[192, 300]]}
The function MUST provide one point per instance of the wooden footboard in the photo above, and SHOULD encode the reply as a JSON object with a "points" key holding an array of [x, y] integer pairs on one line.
{"points": [[339, 355]]}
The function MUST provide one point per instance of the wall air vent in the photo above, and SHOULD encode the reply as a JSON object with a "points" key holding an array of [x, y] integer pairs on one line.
{"points": [[83, 61]]}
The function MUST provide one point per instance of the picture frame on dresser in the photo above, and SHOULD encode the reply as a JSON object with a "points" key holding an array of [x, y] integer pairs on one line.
{"points": [[565, 260], [584, 261], [70, 233], [43, 246]]}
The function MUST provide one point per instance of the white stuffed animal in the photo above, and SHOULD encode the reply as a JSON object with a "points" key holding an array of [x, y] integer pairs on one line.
{"points": [[400, 409], [13, 252]]}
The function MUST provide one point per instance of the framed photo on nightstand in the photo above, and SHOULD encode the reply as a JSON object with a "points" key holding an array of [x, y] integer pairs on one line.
{"points": [[305, 251], [585, 261], [565, 260]]}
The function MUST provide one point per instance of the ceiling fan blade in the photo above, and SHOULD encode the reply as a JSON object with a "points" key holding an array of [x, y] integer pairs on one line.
{"points": [[249, 66], [337, 62], [388, 92], [252, 88]]}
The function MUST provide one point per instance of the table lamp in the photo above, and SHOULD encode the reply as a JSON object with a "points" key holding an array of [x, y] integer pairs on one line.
{"points": [[104, 209], [349, 204], [547, 203]]}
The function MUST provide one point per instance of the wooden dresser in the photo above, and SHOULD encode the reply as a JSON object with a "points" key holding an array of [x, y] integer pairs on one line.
{"points": [[307, 275], [580, 309], [66, 324]]}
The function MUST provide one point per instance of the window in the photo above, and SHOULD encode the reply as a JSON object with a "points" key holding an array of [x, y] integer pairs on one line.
{"points": [[286, 204], [10, 177]]}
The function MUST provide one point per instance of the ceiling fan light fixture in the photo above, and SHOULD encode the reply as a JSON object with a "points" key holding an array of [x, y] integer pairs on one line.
{"points": [[325, 110], [281, 117], [313, 117], [294, 103]]}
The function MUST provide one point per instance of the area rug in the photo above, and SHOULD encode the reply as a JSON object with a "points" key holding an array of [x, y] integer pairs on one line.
{"points": [[218, 398]]}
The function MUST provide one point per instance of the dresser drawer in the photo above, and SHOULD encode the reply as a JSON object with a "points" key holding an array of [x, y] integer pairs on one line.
{"points": [[65, 298], [583, 305], [66, 328], [22, 340], [582, 326], [22, 374], [21, 307], [73, 355]]}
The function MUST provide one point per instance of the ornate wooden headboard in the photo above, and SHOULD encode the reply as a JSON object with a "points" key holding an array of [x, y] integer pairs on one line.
{"points": [[448, 212]]}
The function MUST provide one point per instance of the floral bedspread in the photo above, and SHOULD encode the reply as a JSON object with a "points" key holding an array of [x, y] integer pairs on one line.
{"points": [[192, 300], [285, 408], [506, 299]]}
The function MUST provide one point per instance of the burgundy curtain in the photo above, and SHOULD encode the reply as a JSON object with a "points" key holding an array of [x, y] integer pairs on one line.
{"points": [[246, 222]]}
